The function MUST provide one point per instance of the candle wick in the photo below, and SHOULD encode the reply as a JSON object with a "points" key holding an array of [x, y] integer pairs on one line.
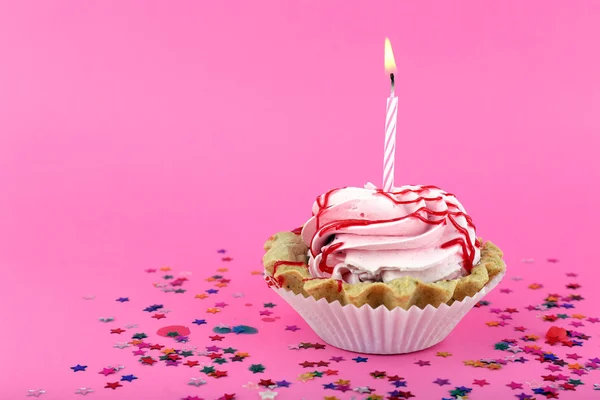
{"points": [[393, 83]]}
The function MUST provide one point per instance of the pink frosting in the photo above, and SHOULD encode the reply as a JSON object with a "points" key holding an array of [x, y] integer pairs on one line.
{"points": [[367, 235]]}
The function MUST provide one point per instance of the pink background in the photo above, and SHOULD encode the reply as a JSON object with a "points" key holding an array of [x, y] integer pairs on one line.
{"points": [[135, 134]]}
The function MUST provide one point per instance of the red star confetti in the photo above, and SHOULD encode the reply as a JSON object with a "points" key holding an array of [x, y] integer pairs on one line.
{"points": [[113, 385]]}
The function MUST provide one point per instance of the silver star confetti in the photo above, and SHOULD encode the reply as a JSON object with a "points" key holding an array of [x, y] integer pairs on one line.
{"points": [[533, 384], [106, 319], [89, 297], [35, 393], [362, 389], [116, 367], [84, 391], [131, 326], [596, 386], [185, 273], [238, 295], [121, 345], [223, 326], [250, 386], [516, 278], [527, 260], [268, 395], [196, 382], [293, 347]]}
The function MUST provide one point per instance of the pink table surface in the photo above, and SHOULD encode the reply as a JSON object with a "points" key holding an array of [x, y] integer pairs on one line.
{"points": [[136, 135]]}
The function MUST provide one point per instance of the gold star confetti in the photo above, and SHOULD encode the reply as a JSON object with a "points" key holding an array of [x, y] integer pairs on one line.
{"points": [[213, 310], [168, 351], [306, 377], [578, 316], [535, 286], [165, 268], [443, 354], [256, 272], [201, 296], [342, 382], [221, 284], [492, 323], [222, 269]]}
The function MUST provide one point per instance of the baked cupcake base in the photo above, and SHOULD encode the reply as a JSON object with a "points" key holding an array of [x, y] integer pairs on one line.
{"points": [[286, 267]]}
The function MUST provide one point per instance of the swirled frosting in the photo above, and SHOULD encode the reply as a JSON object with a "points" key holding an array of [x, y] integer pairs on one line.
{"points": [[367, 235]]}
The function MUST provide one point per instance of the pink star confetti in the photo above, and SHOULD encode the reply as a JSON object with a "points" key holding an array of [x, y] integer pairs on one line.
{"points": [[515, 385]]}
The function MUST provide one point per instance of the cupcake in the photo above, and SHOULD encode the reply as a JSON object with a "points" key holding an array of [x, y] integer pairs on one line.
{"points": [[383, 272]]}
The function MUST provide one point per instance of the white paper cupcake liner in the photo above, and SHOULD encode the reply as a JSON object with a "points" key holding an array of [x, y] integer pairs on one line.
{"points": [[379, 330]]}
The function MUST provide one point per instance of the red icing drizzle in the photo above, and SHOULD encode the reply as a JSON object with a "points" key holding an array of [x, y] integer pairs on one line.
{"points": [[297, 231], [468, 249], [278, 282], [323, 264]]}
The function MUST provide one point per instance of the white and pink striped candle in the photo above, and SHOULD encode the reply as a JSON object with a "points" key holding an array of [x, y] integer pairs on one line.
{"points": [[391, 117]]}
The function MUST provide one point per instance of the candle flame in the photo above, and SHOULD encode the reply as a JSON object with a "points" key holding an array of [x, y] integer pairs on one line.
{"points": [[390, 63]]}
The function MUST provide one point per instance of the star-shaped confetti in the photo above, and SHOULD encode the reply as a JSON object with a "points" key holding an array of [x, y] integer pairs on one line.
{"points": [[35, 392], [256, 368], [515, 385], [112, 385], [267, 395], [79, 367], [128, 378]]}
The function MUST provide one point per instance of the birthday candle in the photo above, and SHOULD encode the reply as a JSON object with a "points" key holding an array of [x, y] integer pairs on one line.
{"points": [[391, 117]]}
